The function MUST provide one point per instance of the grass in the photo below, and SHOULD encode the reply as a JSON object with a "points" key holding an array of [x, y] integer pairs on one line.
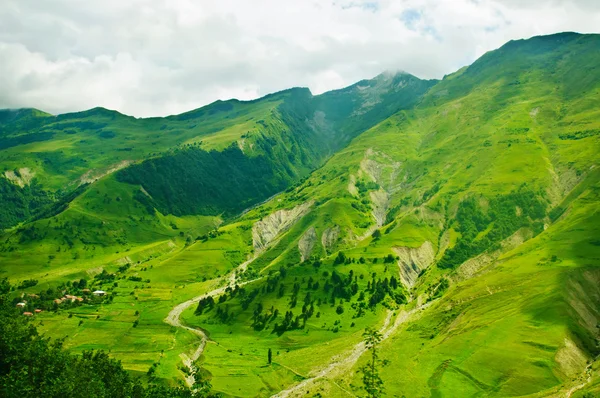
{"points": [[238, 356]]}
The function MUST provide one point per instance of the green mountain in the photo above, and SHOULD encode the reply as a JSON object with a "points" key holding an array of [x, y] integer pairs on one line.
{"points": [[457, 217]]}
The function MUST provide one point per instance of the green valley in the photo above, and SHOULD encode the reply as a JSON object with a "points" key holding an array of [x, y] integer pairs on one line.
{"points": [[243, 248]]}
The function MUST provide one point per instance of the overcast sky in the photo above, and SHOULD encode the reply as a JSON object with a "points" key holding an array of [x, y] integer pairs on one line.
{"points": [[160, 57]]}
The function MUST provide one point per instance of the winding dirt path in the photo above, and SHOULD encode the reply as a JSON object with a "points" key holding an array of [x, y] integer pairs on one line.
{"points": [[175, 313], [339, 364], [587, 373]]}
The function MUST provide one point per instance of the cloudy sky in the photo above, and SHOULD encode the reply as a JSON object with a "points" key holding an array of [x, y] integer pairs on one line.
{"points": [[160, 57]]}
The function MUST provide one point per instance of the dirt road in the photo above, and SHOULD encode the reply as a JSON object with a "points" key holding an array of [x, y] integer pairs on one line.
{"points": [[175, 313], [587, 374]]}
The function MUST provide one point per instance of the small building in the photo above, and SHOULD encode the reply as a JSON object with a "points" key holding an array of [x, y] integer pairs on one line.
{"points": [[37, 310], [86, 290], [99, 293], [21, 305], [27, 313], [80, 299], [58, 301]]}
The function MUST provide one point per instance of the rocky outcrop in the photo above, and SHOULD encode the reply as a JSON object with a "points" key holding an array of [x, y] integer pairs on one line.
{"points": [[382, 169], [352, 186], [380, 201], [92, 176], [476, 264], [20, 177], [307, 243], [413, 260], [330, 237], [571, 359], [266, 231]]}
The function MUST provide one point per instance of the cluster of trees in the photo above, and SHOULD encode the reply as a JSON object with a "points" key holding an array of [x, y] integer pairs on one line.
{"points": [[508, 213], [363, 206], [332, 288], [290, 322], [22, 139], [363, 203], [20, 204], [204, 303], [379, 289], [366, 186], [27, 283], [260, 319], [230, 181], [579, 135], [138, 279], [342, 258], [34, 366]]}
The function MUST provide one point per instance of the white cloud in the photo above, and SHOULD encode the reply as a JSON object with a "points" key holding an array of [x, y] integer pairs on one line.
{"points": [[157, 57]]}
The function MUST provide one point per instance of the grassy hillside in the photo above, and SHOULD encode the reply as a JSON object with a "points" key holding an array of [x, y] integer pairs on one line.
{"points": [[98, 193], [459, 217], [494, 155], [282, 137], [474, 173]]}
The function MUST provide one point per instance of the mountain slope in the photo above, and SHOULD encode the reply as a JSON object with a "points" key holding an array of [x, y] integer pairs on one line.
{"points": [[455, 187], [284, 135]]}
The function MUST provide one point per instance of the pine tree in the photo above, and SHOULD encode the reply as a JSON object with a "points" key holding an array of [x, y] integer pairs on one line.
{"points": [[371, 379]]}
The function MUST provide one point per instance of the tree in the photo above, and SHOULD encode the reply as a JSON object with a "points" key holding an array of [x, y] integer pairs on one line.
{"points": [[371, 379], [4, 286], [270, 356], [202, 386], [340, 259]]}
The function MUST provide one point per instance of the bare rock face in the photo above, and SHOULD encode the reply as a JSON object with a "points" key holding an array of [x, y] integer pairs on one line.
{"points": [[413, 260], [330, 237], [20, 177], [269, 228], [307, 243], [380, 202]]}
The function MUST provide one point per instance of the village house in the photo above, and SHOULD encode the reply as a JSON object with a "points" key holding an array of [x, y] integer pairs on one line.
{"points": [[21, 305], [26, 313], [37, 310], [70, 297], [99, 293]]}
